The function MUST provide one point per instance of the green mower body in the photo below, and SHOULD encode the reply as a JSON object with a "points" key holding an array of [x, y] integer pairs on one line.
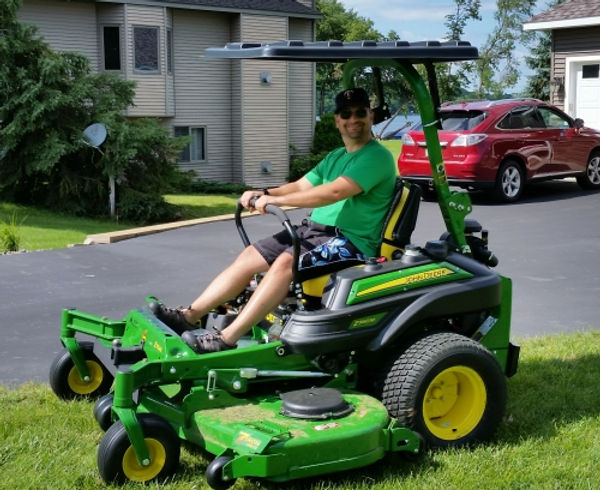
{"points": [[392, 356]]}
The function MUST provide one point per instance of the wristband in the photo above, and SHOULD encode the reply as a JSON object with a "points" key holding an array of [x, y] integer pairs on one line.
{"points": [[266, 192]]}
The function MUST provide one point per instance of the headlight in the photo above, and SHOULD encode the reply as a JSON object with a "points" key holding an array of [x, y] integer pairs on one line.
{"points": [[407, 140]]}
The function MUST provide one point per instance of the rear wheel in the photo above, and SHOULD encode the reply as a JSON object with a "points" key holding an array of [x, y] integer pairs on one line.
{"points": [[446, 387], [591, 178], [66, 382], [117, 461], [510, 182]]}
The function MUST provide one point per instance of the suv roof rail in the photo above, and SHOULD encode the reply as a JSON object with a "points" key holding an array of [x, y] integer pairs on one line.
{"points": [[490, 103]]}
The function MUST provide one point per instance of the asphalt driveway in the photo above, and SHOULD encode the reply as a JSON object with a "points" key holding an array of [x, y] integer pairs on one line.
{"points": [[549, 244]]}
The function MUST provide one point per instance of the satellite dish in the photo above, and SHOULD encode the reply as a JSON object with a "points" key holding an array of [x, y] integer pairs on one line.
{"points": [[94, 135]]}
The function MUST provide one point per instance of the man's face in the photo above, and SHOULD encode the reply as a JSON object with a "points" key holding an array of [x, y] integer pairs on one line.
{"points": [[354, 122]]}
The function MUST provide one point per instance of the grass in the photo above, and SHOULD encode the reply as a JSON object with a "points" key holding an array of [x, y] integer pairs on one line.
{"points": [[394, 146], [39, 229], [548, 440]]}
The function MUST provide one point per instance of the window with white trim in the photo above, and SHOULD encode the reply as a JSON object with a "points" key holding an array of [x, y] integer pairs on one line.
{"points": [[196, 150], [145, 49]]}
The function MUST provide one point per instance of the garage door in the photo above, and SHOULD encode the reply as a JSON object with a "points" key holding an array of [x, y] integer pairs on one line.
{"points": [[587, 99]]}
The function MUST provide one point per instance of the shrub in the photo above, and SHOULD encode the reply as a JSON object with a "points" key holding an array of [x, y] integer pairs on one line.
{"points": [[10, 235], [143, 208], [327, 137]]}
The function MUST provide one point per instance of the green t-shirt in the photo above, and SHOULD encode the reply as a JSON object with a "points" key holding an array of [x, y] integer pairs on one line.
{"points": [[360, 217]]}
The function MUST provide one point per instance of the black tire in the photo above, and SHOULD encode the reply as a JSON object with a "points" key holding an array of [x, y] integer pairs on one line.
{"points": [[447, 388], [66, 382], [102, 411], [590, 179], [214, 473], [510, 182], [116, 458]]}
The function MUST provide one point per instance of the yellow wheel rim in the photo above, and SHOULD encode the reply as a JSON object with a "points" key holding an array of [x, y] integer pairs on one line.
{"points": [[82, 387], [454, 403], [135, 471]]}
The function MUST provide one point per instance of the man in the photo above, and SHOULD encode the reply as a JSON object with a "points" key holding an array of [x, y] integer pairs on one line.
{"points": [[350, 191]]}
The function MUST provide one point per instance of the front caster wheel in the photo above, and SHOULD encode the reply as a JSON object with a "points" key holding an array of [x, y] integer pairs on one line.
{"points": [[102, 411], [117, 461], [66, 382], [214, 473]]}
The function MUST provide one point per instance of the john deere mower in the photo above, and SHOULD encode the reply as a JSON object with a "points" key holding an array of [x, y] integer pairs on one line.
{"points": [[408, 350]]}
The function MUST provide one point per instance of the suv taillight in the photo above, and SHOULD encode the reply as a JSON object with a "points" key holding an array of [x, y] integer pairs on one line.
{"points": [[469, 139], [407, 140]]}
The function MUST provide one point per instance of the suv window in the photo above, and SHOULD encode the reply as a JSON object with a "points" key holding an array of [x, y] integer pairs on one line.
{"points": [[552, 119], [461, 120], [525, 117]]}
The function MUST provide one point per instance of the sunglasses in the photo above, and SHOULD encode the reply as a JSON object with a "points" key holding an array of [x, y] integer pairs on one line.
{"points": [[359, 113]]}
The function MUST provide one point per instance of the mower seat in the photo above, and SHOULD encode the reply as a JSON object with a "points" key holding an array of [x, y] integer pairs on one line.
{"points": [[397, 229]]}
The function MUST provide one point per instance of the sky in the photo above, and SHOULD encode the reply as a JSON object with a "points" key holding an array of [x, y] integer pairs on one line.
{"points": [[424, 21]]}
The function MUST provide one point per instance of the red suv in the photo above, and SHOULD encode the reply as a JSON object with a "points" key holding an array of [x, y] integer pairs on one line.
{"points": [[501, 145]]}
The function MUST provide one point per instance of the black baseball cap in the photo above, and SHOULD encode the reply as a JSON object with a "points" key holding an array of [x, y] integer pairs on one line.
{"points": [[351, 96]]}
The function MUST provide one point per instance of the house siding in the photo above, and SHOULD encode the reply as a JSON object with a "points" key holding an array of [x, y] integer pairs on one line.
{"points": [[568, 43], [301, 114], [65, 26], [110, 15], [264, 107], [203, 89], [151, 91]]}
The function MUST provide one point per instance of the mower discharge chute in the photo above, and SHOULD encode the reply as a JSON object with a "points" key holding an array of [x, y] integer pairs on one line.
{"points": [[395, 355]]}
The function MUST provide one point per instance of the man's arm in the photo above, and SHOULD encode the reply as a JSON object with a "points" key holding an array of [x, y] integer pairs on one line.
{"points": [[304, 194]]}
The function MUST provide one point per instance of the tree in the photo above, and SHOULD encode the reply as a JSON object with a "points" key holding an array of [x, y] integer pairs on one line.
{"points": [[341, 25], [540, 62], [495, 69], [46, 100]]}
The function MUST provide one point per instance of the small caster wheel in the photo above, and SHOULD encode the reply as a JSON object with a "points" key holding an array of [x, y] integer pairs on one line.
{"points": [[214, 473]]}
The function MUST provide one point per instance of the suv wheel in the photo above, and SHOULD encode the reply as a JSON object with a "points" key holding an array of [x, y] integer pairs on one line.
{"points": [[590, 179], [510, 182]]}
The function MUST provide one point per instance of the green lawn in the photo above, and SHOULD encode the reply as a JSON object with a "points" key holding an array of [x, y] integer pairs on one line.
{"points": [[548, 440], [41, 229]]}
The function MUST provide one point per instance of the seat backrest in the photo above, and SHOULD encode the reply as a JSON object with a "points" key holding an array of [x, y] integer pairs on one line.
{"points": [[401, 219], [398, 226]]}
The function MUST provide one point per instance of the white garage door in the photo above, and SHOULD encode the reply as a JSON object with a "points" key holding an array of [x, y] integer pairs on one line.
{"points": [[587, 99]]}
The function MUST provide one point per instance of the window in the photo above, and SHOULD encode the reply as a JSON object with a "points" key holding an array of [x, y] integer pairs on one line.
{"points": [[552, 119], [525, 117], [590, 71], [111, 43], [145, 49], [169, 51], [461, 120], [196, 150]]}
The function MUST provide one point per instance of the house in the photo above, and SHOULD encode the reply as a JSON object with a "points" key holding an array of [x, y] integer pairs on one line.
{"points": [[575, 71], [243, 115]]}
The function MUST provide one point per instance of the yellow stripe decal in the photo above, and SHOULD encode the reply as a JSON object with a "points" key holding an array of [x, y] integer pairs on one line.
{"points": [[410, 279]]}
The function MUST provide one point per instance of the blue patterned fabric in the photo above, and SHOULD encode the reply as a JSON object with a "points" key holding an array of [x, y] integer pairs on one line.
{"points": [[336, 249]]}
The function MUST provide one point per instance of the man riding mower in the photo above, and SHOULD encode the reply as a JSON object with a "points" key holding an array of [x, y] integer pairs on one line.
{"points": [[408, 349]]}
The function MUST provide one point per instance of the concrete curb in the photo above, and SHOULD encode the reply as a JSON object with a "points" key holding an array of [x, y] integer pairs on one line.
{"points": [[117, 236]]}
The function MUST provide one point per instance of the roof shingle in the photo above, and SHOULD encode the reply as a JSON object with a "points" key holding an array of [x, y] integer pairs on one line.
{"points": [[281, 6], [573, 9]]}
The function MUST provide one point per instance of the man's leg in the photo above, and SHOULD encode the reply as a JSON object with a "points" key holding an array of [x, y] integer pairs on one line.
{"points": [[270, 292], [228, 284]]}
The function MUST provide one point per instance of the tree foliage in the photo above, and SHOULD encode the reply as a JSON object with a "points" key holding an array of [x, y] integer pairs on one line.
{"points": [[540, 62], [495, 69], [46, 100]]}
